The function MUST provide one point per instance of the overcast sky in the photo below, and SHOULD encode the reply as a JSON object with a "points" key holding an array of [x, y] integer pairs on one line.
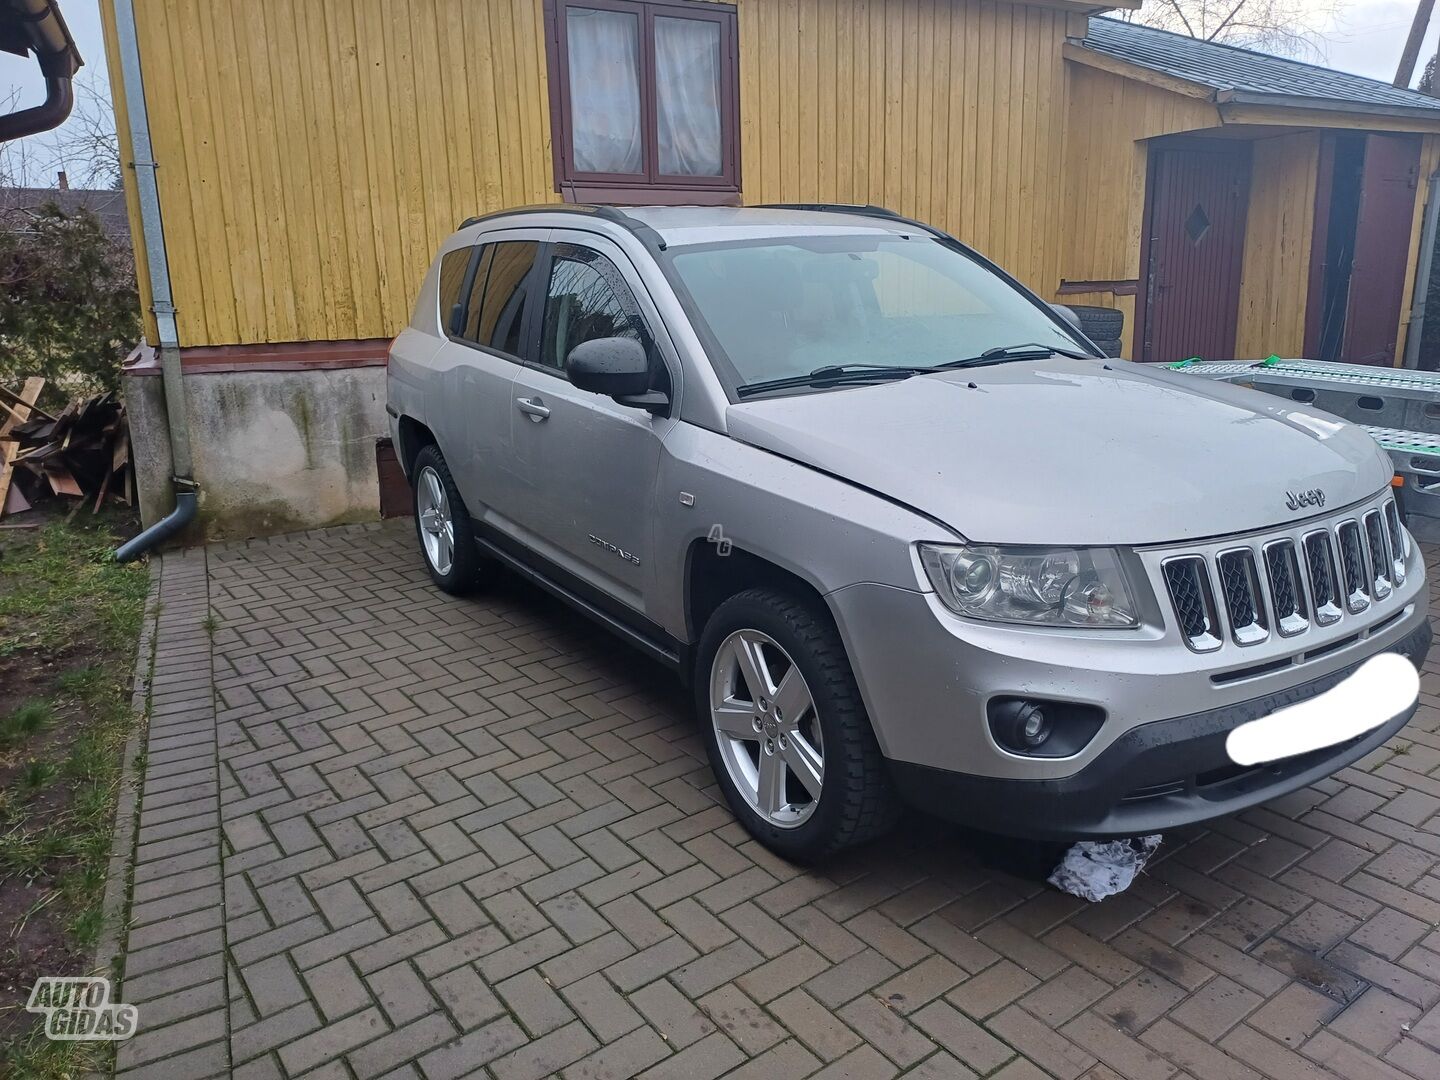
{"points": [[1366, 39]]}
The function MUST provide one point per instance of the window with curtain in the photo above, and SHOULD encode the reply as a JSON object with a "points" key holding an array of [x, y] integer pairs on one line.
{"points": [[644, 100]]}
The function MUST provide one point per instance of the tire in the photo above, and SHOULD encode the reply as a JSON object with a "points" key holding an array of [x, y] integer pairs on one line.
{"points": [[856, 799], [447, 530], [1099, 323], [1109, 346]]}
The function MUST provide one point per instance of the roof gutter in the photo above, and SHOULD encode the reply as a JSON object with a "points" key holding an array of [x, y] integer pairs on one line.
{"points": [[162, 299], [36, 26], [1294, 101]]}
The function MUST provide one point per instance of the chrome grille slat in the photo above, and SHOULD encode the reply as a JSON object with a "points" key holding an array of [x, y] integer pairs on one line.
{"points": [[1244, 601], [1398, 546], [1324, 587], [1354, 575], [1187, 578], [1380, 568], [1287, 593]]}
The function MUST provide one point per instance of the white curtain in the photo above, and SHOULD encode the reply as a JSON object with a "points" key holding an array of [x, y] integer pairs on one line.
{"points": [[687, 90], [604, 90]]}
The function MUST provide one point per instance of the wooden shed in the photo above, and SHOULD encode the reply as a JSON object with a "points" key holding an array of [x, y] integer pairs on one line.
{"points": [[309, 157], [1236, 204]]}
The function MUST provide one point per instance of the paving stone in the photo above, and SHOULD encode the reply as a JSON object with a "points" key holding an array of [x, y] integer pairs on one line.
{"points": [[678, 1020], [478, 836]]}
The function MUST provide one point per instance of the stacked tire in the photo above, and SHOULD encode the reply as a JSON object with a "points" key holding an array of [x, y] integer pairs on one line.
{"points": [[1104, 326]]}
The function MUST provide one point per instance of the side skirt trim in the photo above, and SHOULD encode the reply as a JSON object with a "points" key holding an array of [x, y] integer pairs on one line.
{"points": [[632, 628]]}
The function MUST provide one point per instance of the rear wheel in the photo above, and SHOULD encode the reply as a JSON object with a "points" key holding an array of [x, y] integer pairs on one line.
{"points": [[442, 525], [788, 736]]}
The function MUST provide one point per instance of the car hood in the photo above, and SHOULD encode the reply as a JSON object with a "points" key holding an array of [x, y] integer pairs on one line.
{"points": [[1065, 451]]}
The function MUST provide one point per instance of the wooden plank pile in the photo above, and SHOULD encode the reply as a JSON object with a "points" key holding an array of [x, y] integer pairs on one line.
{"points": [[82, 452]]}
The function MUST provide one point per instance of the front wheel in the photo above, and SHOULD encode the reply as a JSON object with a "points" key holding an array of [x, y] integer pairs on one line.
{"points": [[788, 735]]}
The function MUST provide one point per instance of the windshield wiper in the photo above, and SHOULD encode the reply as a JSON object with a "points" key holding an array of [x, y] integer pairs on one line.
{"points": [[833, 375], [1028, 350]]}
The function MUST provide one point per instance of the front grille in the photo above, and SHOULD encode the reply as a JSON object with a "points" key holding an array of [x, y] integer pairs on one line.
{"points": [[1286, 593], [1287, 583], [1244, 604], [1398, 545], [1352, 566], [1188, 581], [1379, 555]]}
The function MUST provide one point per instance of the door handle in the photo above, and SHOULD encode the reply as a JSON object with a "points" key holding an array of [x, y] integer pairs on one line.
{"points": [[533, 408]]}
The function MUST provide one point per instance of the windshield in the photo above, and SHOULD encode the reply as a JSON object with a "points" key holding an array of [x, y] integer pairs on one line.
{"points": [[785, 307]]}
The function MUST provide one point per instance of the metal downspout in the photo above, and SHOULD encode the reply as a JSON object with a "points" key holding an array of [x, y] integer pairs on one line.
{"points": [[162, 299], [1416, 328], [59, 98]]}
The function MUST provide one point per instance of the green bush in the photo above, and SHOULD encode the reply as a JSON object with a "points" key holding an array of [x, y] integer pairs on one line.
{"points": [[68, 305]]}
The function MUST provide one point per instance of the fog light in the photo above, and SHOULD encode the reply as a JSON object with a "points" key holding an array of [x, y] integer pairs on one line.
{"points": [[1020, 725], [1043, 728], [1035, 728]]}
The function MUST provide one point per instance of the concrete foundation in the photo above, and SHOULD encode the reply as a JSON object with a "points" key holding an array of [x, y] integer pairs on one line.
{"points": [[274, 451]]}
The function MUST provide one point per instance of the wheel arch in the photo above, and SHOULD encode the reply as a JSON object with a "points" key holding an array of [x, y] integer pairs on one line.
{"points": [[714, 572], [414, 437]]}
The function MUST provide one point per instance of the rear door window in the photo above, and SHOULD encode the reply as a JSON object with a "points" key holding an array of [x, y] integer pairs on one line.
{"points": [[497, 321]]}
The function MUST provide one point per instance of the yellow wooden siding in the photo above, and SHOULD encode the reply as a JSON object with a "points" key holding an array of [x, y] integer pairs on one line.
{"points": [[1279, 226], [1429, 163], [1105, 168], [951, 111], [313, 155], [1104, 179]]}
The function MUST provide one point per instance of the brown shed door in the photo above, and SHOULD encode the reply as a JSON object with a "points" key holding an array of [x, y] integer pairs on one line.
{"points": [[1382, 246], [1197, 238]]}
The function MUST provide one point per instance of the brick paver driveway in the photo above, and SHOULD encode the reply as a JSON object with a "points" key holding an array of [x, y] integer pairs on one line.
{"points": [[413, 836]]}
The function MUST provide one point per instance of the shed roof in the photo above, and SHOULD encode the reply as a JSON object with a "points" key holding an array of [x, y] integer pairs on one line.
{"points": [[1250, 77]]}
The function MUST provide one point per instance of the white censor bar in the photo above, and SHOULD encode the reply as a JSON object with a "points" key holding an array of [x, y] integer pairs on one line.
{"points": [[1379, 690]]}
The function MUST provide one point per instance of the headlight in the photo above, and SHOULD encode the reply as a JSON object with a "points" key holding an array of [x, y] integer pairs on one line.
{"points": [[1043, 587]]}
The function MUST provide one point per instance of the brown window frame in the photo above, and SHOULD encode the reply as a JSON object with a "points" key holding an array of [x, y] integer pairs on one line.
{"points": [[576, 186]]}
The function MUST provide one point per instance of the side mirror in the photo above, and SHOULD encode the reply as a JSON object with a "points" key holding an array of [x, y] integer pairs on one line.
{"points": [[1071, 319], [617, 367]]}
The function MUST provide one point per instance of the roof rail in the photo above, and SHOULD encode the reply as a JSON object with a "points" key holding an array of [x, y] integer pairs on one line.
{"points": [[863, 209], [646, 235]]}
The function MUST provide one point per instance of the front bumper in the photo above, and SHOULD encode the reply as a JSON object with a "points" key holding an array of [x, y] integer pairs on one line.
{"points": [[1154, 777]]}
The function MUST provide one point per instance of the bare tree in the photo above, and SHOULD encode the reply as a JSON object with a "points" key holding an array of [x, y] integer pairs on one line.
{"points": [[86, 145], [1427, 84], [1286, 27], [16, 158]]}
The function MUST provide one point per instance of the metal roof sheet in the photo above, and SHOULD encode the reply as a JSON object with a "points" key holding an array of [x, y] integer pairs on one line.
{"points": [[1245, 71]]}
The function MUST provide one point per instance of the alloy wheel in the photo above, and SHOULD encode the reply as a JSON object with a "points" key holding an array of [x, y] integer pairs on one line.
{"points": [[767, 728], [437, 525]]}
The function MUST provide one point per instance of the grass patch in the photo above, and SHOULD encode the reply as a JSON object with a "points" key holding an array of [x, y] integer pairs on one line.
{"points": [[69, 619]]}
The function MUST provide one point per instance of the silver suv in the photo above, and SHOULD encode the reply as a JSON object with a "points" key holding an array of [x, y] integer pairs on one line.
{"points": [[902, 528]]}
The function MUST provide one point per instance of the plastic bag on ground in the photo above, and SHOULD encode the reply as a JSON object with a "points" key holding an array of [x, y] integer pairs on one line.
{"points": [[1095, 869]]}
